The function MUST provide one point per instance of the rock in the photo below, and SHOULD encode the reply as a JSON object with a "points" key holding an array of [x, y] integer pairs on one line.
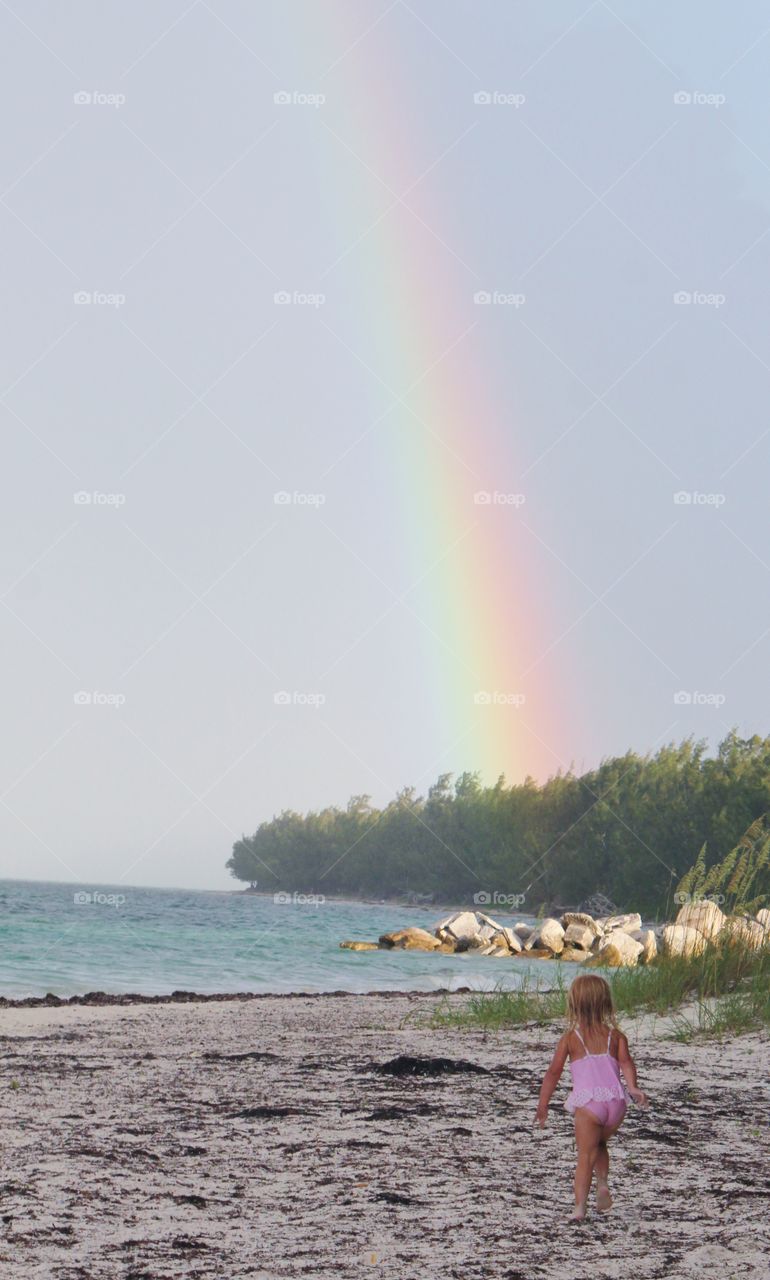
{"points": [[627, 947], [681, 940], [473, 944], [485, 919], [609, 957], [551, 935], [494, 949], [763, 918], [512, 940], [649, 944], [448, 948], [359, 946], [572, 953], [540, 953], [523, 931], [629, 923], [410, 939], [488, 932], [579, 935], [583, 922], [463, 926], [581, 917], [744, 929], [705, 916], [612, 956]]}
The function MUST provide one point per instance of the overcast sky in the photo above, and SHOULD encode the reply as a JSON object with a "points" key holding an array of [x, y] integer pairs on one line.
{"points": [[157, 599]]}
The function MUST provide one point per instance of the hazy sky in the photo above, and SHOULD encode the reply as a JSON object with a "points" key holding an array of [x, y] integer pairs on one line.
{"points": [[149, 168]]}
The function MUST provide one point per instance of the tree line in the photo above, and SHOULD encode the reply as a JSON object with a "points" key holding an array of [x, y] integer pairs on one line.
{"points": [[629, 829]]}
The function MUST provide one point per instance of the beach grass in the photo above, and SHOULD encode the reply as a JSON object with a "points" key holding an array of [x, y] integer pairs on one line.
{"points": [[532, 1002], [727, 985]]}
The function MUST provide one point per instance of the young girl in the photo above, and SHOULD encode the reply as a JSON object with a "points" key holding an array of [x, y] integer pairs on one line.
{"points": [[597, 1053]]}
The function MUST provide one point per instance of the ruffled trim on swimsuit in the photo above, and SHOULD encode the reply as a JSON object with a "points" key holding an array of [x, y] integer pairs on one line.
{"points": [[599, 1093]]}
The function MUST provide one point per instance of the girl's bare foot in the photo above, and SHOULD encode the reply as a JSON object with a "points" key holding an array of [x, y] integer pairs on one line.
{"points": [[603, 1197], [579, 1214]]}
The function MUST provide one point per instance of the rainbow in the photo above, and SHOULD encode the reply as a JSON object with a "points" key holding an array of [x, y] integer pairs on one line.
{"points": [[485, 623]]}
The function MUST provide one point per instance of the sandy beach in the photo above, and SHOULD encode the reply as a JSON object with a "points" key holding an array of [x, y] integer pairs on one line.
{"points": [[256, 1138]]}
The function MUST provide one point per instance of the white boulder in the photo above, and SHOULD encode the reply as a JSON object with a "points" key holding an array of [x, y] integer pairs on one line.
{"points": [[582, 917], [681, 940], [627, 947], [763, 918], [485, 919], [462, 926], [705, 916], [628, 923], [473, 928], [512, 940], [580, 935], [551, 936], [649, 944], [743, 929]]}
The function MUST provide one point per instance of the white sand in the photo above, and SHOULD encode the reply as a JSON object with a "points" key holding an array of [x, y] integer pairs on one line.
{"points": [[124, 1154]]}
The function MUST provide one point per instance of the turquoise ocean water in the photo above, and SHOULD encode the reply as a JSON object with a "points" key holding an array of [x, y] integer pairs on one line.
{"points": [[69, 939]]}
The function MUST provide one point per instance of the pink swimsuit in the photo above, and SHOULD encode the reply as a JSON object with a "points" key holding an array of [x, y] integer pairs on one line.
{"points": [[597, 1086]]}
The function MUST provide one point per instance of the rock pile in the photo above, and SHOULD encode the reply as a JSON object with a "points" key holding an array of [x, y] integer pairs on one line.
{"points": [[577, 936], [703, 921]]}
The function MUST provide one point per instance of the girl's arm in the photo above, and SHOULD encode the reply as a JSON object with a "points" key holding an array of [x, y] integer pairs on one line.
{"points": [[551, 1079], [628, 1067]]}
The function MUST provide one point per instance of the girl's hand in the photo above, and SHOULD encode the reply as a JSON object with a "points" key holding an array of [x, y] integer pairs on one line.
{"points": [[541, 1115], [638, 1096]]}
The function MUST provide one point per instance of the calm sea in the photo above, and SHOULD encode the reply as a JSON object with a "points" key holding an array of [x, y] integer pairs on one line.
{"points": [[69, 939]]}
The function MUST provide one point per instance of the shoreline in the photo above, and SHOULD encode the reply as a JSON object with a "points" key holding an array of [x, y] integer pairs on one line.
{"points": [[101, 998]]}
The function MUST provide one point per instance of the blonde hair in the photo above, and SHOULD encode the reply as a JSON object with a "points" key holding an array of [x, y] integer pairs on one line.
{"points": [[590, 1002]]}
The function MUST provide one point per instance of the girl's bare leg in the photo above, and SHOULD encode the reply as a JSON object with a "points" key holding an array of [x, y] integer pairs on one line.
{"points": [[602, 1169], [588, 1133]]}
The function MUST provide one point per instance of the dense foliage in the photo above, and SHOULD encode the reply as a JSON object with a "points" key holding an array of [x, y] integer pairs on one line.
{"points": [[629, 829]]}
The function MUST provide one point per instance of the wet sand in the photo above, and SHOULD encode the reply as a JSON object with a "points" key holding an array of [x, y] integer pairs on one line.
{"points": [[256, 1139]]}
